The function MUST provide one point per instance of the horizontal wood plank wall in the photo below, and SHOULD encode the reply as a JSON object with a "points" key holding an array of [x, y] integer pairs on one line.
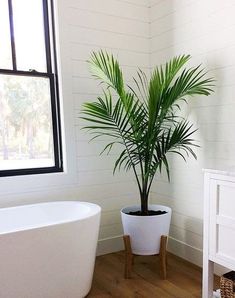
{"points": [[120, 27], [204, 29], [144, 33]]}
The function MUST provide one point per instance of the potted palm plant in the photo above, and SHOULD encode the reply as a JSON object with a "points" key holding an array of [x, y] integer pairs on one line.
{"points": [[144, 120]]}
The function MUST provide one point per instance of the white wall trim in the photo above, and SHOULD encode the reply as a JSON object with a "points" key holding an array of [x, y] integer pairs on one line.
{"points": [[110, 245], [176, 247], [185, 251], [192, 254]]}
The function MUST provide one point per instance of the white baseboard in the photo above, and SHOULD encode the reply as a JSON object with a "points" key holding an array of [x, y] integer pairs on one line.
{"points": [[176, 247], [109, 245], [185, 251], [192, 254]]}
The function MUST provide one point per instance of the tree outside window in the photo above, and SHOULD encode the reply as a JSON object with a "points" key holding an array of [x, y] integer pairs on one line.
{"points": [[29, 110]]}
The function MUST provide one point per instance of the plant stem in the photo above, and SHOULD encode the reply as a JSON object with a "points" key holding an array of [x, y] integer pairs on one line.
{"points": [[144, 199]]}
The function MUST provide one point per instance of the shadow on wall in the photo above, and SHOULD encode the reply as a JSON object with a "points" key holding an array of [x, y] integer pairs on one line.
{"points": [[192, 251], [186, 190], [176, 28], [203, 113], [213, 116]]}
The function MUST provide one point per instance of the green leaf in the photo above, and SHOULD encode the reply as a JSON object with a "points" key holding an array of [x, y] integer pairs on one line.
{"points": [[146, 121]]}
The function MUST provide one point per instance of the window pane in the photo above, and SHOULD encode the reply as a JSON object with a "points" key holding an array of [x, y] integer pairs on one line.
{"points": [[29, 34], [26, 139], [5, 39]]}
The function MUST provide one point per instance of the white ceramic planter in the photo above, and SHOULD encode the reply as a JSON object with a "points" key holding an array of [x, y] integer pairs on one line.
{"points": [[145, 231]]}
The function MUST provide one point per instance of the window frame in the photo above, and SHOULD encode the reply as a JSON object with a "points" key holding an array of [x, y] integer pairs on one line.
{"points": [[52, 75]]}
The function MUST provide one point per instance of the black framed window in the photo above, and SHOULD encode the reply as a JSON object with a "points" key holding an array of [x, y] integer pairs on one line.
{"points": [[30, 138]]}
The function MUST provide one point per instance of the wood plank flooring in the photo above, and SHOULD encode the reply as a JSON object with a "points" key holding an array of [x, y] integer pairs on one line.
{"points": [[183, 279]]}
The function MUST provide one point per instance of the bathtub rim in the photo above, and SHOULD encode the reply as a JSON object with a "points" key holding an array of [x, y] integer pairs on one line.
{"points": [[95, 211]]}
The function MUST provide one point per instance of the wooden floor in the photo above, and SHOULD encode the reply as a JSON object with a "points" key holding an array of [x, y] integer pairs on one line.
{"points": [[183, 280]]}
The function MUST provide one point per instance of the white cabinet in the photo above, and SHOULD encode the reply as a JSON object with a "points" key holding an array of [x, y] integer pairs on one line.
{"points": [[219, 225]]}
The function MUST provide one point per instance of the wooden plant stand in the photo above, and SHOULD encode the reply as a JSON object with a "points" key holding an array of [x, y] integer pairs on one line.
{"points": [[129, 256]]}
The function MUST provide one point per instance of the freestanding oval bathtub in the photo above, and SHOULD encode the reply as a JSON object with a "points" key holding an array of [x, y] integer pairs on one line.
{"points": [[48, 250]]}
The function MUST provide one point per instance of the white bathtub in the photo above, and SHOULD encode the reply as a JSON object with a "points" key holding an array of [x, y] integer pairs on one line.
{"points": [[47, 250]]}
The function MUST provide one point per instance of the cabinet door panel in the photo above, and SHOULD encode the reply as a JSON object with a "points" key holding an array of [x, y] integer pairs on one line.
{"points": [[226, 242], [222, 220], [226, 197]]}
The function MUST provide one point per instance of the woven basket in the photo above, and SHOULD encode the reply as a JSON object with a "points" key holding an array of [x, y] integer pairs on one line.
{"points": [[227, 285]]}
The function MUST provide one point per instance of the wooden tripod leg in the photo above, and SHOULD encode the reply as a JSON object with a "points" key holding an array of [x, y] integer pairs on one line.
{"points": [[163, 256], [128, 256]]}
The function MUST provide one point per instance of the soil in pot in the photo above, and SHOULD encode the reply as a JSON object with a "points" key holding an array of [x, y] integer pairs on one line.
{"points": [[150, 212]]}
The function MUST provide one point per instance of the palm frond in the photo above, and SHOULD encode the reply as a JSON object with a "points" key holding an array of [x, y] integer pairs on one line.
{"points": [[145, 122], [105, 68]]}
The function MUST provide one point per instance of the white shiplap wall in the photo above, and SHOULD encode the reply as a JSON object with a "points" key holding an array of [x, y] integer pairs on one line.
{"points": [[206, 30], [142, 33], [120, 27]]}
